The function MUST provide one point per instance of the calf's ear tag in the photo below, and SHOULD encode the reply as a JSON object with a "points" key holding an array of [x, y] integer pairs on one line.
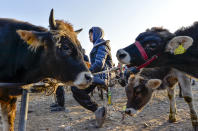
{"points": [[179, 50]]}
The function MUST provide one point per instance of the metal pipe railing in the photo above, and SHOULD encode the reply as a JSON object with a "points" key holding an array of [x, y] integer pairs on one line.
{"points": [[24, 100], [108, 70], [23, 110], [11, 85]]}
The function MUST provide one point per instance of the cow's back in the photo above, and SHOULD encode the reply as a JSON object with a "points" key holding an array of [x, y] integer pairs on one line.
{"points": [[13, 50]]}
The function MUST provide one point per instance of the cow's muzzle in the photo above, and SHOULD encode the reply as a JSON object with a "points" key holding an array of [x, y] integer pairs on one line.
{"points": [[83, 80], [123, 56]]}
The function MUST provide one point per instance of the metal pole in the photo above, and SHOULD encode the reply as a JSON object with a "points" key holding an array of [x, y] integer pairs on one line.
{"points": [[23, 110], [12, 85], [108, 70]]}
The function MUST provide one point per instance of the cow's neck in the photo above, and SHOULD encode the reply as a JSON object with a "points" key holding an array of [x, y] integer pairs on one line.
{"points": [[184, 63], [29, 67]]}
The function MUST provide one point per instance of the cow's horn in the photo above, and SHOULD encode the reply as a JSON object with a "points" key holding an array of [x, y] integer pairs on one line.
{"points": [[52, 22]]}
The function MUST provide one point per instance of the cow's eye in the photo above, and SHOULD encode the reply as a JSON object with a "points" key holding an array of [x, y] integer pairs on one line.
{"points": [[66, 49], [151, 46]]}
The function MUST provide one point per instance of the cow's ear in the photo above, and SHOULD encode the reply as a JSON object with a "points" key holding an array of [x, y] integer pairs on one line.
{"points": [[78, 31], [179, 44], [31, 38], [153, 83]]}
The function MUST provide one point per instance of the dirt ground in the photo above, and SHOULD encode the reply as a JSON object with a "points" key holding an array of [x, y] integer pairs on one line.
{"points": [[154, 116]]}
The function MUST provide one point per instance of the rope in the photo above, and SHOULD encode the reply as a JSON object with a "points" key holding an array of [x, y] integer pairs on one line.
{"points": [[107, 71]]}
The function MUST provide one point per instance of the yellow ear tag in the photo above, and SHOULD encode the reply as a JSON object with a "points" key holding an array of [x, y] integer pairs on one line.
{"points": [[124, 108], [179, 50], [30, 41]]}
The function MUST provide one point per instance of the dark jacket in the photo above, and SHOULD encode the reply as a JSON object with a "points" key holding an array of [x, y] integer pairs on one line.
{"points": [[100, 55]]}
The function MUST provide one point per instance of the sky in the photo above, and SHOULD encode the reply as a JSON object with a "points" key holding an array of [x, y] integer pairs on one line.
{"points": [[122, 20]]}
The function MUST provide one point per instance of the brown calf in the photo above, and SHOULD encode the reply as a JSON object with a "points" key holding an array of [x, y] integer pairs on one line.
{"points": [[141, 86]]}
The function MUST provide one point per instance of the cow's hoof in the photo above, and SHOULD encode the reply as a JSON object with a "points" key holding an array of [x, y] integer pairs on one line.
{"points": [[172, 119]]}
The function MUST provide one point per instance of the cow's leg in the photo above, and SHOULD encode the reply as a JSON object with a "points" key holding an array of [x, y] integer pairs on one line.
{"points": [[8, 110], [193, 113], [173, 111], [187, 94]]}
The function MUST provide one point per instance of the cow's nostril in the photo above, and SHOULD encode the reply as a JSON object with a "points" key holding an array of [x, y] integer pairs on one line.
{"points": [[121, 56], [88, 77]]}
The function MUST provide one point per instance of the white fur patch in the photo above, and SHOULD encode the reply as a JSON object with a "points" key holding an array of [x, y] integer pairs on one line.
{"points": [[81, 82], [126, 59]]}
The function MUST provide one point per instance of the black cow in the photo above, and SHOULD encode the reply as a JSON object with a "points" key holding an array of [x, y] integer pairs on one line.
{"points": [[157, 47], [168, 47], [29, 53]]}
